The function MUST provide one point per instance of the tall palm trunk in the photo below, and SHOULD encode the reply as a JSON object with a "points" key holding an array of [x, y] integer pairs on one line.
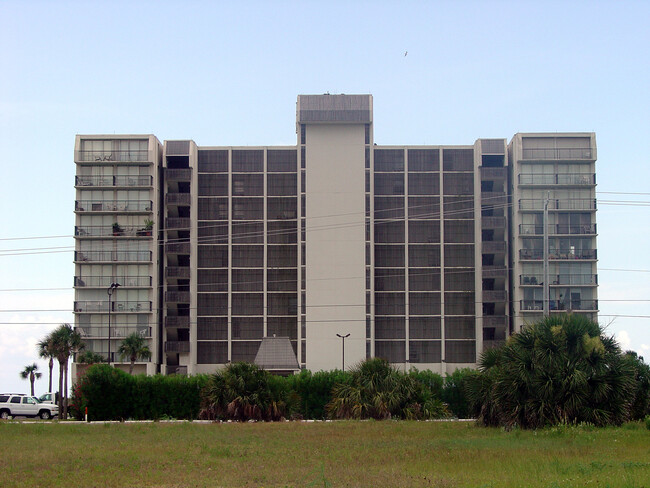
{"points": [[133, 358], [65, 391], [51, 365], [31, 380], [60, 403]]}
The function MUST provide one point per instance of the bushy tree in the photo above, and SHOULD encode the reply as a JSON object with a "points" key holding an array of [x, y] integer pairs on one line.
{"points": [[244, 391], [46, 351], [89, 357], [454, 395], [641, 404], [560, 370], [315, 390], [377, 390]]}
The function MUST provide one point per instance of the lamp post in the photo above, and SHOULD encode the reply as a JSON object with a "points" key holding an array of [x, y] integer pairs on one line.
{"points": [[343, 340], [110, 291]]}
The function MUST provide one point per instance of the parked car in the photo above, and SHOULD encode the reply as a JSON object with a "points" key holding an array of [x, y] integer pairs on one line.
{"points": [[16, 405], [49, 397]]}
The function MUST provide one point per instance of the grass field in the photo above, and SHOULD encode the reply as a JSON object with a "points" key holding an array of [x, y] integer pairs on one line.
{"points": [[332, 454]]}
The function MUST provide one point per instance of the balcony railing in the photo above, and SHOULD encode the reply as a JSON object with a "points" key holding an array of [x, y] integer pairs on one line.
{"points": [[171, 369], [495, 272], [493, 247], [116, 306], [554, 305], [111, 256], [557, 153], [110, 181], [558, 254], [493, 173], [493, 222], [105, 281], [493, 198], [177, 321], [178, 223], [495, 321], [559, 280], [494, 296], [109, 230], [116, 332], [177, 272], [558, 179], [178, 248], [177, 296], [178, 199], [183, 174], [177, 346], [553, 204], [555, 229], [109, 156], [115, 206]]}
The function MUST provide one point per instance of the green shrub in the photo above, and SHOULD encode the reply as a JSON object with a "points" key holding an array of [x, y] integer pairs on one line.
{"points": [[454, 394], [314, 391], [112, 394], [647, 422]]}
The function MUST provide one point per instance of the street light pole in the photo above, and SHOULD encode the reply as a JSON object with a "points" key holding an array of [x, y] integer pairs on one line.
{"points": [[110, 291], [343, 340]]}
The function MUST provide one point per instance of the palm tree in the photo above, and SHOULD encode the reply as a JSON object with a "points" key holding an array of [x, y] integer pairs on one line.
{"points": [[45, 350], [30, 372], [134, 347], [560, 370], [377, 390], [66, 342]]}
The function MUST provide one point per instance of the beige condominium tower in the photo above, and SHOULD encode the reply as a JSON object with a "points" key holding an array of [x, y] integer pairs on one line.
{"points": [[331, 251]]}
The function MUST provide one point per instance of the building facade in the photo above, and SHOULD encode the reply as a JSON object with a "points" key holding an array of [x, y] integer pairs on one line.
{"points": [[424, 255]]}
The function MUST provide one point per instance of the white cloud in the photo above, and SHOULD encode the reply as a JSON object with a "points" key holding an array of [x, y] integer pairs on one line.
{"points": [[623, 339]]}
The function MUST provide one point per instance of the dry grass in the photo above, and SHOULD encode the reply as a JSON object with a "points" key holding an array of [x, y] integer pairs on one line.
{"points": [[333, 454]]}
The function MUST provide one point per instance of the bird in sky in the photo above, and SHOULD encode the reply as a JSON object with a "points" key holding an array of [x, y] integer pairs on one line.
{"points": [[405, 53]]}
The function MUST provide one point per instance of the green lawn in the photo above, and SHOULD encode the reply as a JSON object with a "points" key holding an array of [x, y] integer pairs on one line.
{"points": [[297, 454]]}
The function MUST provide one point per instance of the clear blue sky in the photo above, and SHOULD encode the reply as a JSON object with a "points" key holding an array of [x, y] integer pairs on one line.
{"points": [[228, 74]]}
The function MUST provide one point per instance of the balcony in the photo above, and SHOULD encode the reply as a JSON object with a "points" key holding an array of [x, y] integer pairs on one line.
{"points": [[112, 156], [183, 174], [490, 296], [171, 369], [112, 181], [179, 223], [553, 204], [177, 296], [117, 206], [493, 173], [534, 254], [112, 256], [177, 346], [558, 229], [573, 179], [177, 322], [560, 305], [493, 198], [178, 199], [560, 280], [177, 248], [117, 306], [495, 272], [177, 272], [116, 332], [493, 223], [105, 281], [500, 321], [571, 153], [112, 231], [493, 247]]}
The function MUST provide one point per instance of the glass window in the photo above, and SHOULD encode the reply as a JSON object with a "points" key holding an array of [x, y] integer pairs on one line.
{"points": [[212, 303], [389, 207], [391, 351], [425, 231], [247, 161], [247, 280], [282, 208], [424, 159], [245, 351], [281, 160], [389, 256], [282, 184], [389, 280], [212, 352], [211, 328], [425, 351], [389, 184], [282, 232], [389, 232], [390, 304], [248, 232], [424, 327], [247, 256], [213, 161], [213, 185], [458, 159], [247, 327], [248, 304], [424, 303], [424, 184], [247, 185], [390, 328], [389, 160]]}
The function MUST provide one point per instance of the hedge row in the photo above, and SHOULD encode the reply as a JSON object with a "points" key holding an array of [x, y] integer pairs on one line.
{"points": [[112, 394]]}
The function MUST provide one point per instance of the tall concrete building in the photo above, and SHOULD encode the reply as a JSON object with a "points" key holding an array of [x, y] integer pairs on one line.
{"points": [[423, 255]]}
